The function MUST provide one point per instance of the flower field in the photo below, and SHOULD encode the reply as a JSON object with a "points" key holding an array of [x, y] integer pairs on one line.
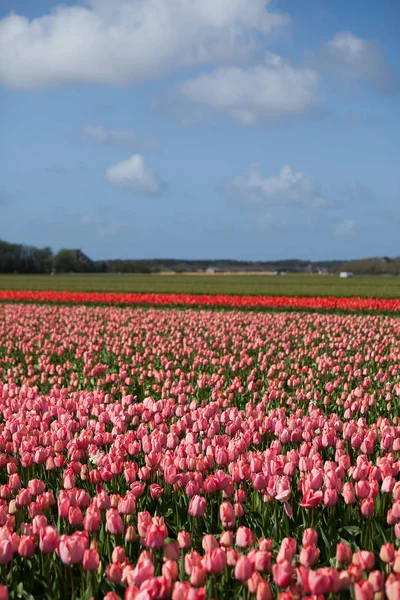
{"points": [[206, 300], [189, 454]]}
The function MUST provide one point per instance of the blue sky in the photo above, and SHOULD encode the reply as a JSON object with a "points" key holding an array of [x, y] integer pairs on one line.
{"points": [[201, 128]]}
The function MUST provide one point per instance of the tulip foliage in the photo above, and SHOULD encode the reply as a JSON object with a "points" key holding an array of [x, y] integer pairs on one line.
{"points": [[190, 454]]}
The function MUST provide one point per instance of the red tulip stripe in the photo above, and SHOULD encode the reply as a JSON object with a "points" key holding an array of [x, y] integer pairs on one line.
{"points": [[219, 300]]}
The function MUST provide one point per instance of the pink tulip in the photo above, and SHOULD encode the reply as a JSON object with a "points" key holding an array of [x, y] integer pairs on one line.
{"points": [[144, 520], [343, 553], [244, 569], [70, 549], [263, 591], [287, 550], [91, 560], [209, 543], [367, 507], [387, 553], [363, 590], [155, 536], [92, 520], [114, 522], [348, 493], [118, 555], [244, 537], [198, 576], [323, 581], [75, 516], [282, 573], [365, 559], [26, 546], [310, 537], [142, 572], [48, 539], [114, 572], [14, 482], [184, 540], [170, 570], [392, 589], [6, 551], [131, 534], [227, 515], [197, 506], [309, 555], [376, 578], [311, 499], [192, 559], [215, 561]]}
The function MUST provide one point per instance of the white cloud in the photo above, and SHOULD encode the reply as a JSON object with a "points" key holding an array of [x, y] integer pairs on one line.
{"points": [[247, 95], [120, 137], [133, 175], [290, 187], [345, 228], [123, 42], [356, 58]]}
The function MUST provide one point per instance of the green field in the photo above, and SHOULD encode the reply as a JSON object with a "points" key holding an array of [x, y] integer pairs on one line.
{"points": [[289, 285]]}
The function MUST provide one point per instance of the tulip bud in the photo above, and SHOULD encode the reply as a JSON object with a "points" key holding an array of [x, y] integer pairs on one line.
{"points": [[12, 507], [131, 534]]}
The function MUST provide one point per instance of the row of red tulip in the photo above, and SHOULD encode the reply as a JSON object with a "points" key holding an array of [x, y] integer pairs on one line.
{"points": [[203, 300]]}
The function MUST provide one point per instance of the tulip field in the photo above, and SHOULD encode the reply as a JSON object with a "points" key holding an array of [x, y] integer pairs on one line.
{"points": [[159, 451], [206, 300]]}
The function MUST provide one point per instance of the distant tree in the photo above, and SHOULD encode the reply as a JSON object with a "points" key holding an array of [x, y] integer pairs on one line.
{"points": [[43, 258], [18, 258], [65, 261], [101, 266]]}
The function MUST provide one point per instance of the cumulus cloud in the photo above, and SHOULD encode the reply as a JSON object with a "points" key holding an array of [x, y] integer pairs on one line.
{"points": [[123, 42], [119, 137], [356, 58], [272, 89], [345, 228], [133, 175], [290, 187]]}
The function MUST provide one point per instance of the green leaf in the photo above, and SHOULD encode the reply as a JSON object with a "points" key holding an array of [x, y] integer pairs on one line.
{"points": [[352, 530], [325, 538]]}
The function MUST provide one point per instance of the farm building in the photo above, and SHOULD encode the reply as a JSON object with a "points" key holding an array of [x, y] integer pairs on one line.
{"points": [[345, 274]]}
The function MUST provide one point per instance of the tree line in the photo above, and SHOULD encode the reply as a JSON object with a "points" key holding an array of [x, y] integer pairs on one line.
{"points": [[21, 258], [25, 259], [373, 266]]}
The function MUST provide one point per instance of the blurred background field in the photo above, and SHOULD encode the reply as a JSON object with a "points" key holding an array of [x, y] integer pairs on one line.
{"points": [[285, 285]]}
